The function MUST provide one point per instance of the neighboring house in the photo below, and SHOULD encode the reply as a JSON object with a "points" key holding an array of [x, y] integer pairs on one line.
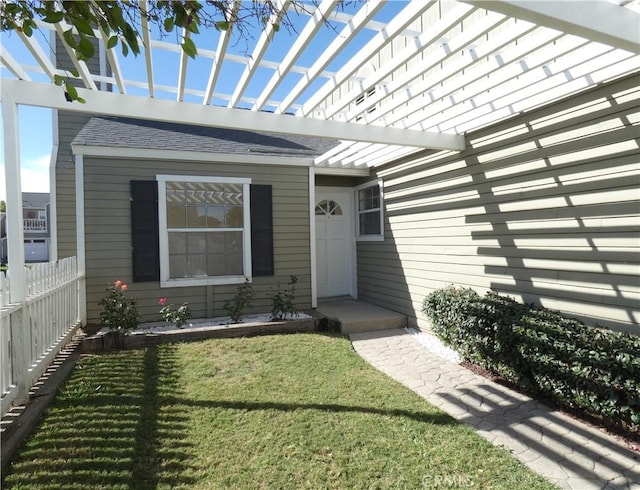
{"points": [[35, 226], [35, 211]]}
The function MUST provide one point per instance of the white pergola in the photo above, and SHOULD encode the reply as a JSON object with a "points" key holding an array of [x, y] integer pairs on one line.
{"points": [[470, 64]]}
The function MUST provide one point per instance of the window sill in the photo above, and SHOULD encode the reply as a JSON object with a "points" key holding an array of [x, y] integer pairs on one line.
{"points": [[205, 281], [370, 238]]}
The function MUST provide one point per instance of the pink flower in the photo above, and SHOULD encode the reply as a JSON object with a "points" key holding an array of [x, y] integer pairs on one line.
{"points": [[118, 283], [124, 287], [163, 301]]}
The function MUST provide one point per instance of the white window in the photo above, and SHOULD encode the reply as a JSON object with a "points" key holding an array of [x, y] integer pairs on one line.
{"points": [[205, 235], [369, 216]]}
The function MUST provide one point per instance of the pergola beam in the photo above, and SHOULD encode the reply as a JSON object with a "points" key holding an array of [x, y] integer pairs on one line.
{"points": [[602, 21], [112, 104]]}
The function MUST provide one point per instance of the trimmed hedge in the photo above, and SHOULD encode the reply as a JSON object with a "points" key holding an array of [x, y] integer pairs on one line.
{"points": [[576, 365]]}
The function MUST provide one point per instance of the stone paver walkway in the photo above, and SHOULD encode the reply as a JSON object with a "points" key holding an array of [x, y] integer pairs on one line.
{"points": [[567, 452]]}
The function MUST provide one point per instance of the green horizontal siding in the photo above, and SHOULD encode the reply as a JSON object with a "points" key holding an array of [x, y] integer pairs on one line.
{"points": [[544, 207]]}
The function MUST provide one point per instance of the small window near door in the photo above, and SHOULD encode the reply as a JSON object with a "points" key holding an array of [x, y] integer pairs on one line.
{"points": [[369, 217]]}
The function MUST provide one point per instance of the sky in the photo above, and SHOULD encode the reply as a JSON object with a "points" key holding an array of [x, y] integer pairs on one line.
{"points": [[35, 124], [35, 137]]}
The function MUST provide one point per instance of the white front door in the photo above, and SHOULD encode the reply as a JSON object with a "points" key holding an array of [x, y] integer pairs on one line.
{"points": [[334, 242]]}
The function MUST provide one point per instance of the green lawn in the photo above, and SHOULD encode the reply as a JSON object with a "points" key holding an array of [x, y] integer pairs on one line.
{"points": [[295, 411]]}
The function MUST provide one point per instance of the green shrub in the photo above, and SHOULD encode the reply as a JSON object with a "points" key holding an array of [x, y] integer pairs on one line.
{"points": [[241, 301], [283, 302], [576, 365]]}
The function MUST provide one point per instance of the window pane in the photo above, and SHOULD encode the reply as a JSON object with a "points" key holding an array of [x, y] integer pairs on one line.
{"points": [[196, 243], [196, 197], [215, 243], [233, 194], [234, 217], [369, 198], [177, 266], [334, 209], [215, 216], [175, 196], [177, 243], [176, 217], [197, 265], [215, 265], [370, 224], [233, 242], [196, 217], [233, 265]]}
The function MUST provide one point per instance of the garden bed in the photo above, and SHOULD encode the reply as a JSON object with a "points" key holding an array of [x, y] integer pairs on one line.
{"points": [[160, 333]]}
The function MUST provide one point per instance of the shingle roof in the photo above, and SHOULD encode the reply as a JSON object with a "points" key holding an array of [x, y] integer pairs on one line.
{"points": [[136, 133], [35, 200]]}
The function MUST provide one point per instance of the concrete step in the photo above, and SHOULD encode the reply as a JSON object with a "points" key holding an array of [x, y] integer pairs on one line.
{"points": [[356, 316]]}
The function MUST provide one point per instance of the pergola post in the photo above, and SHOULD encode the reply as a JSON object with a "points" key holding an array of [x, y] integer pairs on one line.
{"points": [[80, 240], [20, 337]]}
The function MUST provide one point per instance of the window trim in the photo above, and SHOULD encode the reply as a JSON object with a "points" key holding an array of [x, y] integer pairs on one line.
{"points": [[165, 280], [378, 237]]}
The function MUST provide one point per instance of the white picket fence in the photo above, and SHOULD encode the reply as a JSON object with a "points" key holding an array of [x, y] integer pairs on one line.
{"points": [[33, 332]]}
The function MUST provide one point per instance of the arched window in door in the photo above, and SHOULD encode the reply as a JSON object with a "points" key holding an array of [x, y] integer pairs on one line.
{"points": [[328, 208]]}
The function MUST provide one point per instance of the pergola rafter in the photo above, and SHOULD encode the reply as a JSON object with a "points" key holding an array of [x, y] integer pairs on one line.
{"points": [[12, 65], [409, 14], [352, 27], [146, 42], [314, 23], [216, 67], [253, 61], [182, 70], [433, 35]]}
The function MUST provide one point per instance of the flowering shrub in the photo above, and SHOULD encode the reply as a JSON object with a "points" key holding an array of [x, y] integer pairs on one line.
{"points": [[283, 302], [242, 300], [171, 314], [118, 313]]}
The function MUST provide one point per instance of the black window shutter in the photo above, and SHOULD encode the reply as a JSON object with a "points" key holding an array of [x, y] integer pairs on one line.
{"points": [[144, 230], [261, 230]]}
